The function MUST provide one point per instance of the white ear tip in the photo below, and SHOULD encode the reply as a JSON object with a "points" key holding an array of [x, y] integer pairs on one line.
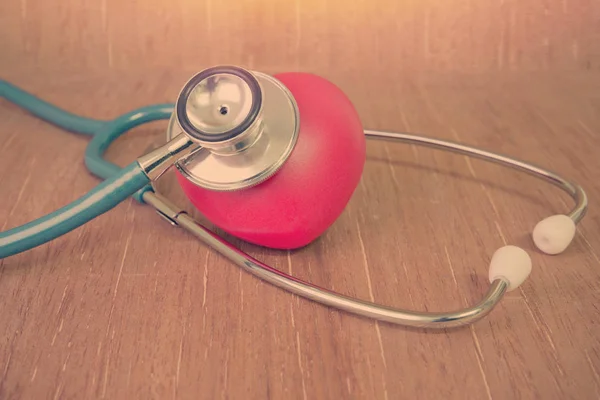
{"points": [[511, 263], [553, 235]]}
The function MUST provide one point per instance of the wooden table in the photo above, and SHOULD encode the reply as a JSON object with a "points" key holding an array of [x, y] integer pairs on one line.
{"points": [[129, 307]]}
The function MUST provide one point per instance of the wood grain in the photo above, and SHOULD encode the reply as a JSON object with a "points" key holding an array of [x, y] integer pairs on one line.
{"points": [[315, 35], [129, 307]]}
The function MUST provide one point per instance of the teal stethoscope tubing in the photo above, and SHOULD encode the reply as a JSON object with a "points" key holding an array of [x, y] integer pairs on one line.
{"points": [[119, 183]]}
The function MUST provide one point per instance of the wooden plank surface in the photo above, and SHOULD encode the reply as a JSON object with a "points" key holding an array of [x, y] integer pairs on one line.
{"points": [[129, 307], [460, 35]]}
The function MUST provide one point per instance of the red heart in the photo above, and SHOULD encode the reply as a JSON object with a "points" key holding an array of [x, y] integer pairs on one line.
{"points": [[307, 195]]}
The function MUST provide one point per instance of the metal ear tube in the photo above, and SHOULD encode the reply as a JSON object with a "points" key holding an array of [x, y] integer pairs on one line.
{"points": [[441, 320], [509, 266]]}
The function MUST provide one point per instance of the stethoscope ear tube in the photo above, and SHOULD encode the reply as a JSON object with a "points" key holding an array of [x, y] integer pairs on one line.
{"points": [[441, 320], [575, 191], [551, 235], [510, 266]]}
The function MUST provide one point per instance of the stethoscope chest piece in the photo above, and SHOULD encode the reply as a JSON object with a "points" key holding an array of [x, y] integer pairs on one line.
{"points": [[246, 122]]}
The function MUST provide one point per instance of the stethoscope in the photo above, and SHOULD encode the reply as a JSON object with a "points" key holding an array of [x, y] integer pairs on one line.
{"points": [[232, 129]]}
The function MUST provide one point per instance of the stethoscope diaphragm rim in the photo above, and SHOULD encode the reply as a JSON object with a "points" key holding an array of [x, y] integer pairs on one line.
{"points": [[255, 107]]}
